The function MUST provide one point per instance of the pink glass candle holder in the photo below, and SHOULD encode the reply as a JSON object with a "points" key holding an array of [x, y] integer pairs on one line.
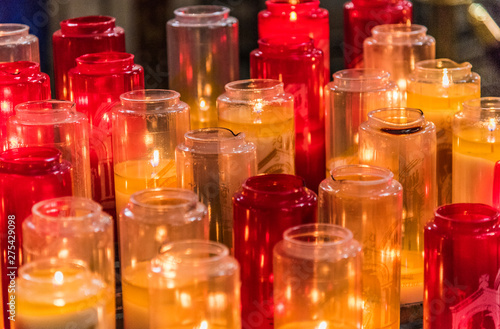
{"points": [[16, 44], [80, 36], [27, 175], [295, 62], [295, 18], [264, 208], [19, 82], [462, 267]]}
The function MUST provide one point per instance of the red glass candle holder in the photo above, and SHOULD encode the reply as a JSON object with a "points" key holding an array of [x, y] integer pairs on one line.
{"points": [[19, 82], [462, 267], [298, 17], [295, 62], [27, 176], [96, 83], [264, 208], [80, 36], [360, 16]]}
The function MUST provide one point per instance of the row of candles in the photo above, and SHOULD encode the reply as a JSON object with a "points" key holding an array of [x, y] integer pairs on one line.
{"points": [[283, 132]]}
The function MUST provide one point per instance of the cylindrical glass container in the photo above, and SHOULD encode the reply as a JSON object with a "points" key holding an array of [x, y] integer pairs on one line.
{"points": [[264, 112], [348, 99], [27, 175], [439, 87], [59, 294], [295, 62], [202, 44], [264, 208], [56, 124], [296, 18], [401, 140], [194, 284], [462, 267], [147, 127], [16, 44], [80, 36], [214, 163], [19, 82], [360, 16], [396, 48], [317, 275], [95, 84], [369, 202], [476, 149], [152, 218]]}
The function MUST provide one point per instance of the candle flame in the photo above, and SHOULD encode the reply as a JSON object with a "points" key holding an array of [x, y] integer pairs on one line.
{"points": [[322, 325], [293, 16], [58, 278], [203, 324], [155, 161], [203, 104], [5, 107], [446, 78], [492, 125]]}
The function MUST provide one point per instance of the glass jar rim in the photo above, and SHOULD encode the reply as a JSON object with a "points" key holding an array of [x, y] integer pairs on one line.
{"points": [[469, 213], [254, 85], [291, 234], [56, 263], [54, 105], [10, 29], [383, 175], [399, 30], [202, 11], [182, 251], [187, 198], [490, 104], [414, 117], [109, 57], [88, 21], [282, 184], [92, 209], [441, 64]]}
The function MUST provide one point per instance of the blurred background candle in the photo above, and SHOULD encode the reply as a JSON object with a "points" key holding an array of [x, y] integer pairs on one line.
{"points": [[214, 163], [264, 112], [27, 175], [476, 149], [462, 267], [360, 16], [285, 18], [59, 294], [369, 202], [95, 84], [194, 284], [147, 127], [439, 87], [295, 62], [352, 94], [317, 275], [152, 218], [202, 44], [20, 82], [264, 208], [56, 124], [79, 36], [396, 48], [401, 140], [16, 44]]}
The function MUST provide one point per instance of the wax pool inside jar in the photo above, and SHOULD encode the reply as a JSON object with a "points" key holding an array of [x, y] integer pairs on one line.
{"points": [[135, 296]]}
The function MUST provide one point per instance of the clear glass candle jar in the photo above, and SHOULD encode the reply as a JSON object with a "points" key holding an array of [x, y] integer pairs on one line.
{"points": [[360, 16], [285, 18], [79, 36], [462, 267], [20, 82], [294, 61], [264, 112], [214, 163], [16, 44], [317, 278], [27, 175], [147, 127], [264, 207], [369, 202], [56, 124], [403, 141], [348, 99], [396, 48], [439, 87], [152, 218], [194, 284], [202, 44], [476, 149], [57, 294]]}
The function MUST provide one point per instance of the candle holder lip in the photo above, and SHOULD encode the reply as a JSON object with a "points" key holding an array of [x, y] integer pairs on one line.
{"points": [[282, 43], [32, 160], [362, 80], [157, 101], [215, 140], [466, 214], [491, 104], [202, 11], [299, 6], [399, 118], [361, 175], [48, 112], [275, 184], [46, 106], [92, 24], [17, 69], [105, 57], [79, 270], [13, 29], [440, 64], [399, 29], [254, 86], [104, 62]]}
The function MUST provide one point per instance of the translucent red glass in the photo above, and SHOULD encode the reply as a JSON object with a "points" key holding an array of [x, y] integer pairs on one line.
{"points": [[27, 176], [19, 82], [360, 16], [80, 36], [264, 208], [96, 83], [298, 17], [295, 62], [462, 267]]}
